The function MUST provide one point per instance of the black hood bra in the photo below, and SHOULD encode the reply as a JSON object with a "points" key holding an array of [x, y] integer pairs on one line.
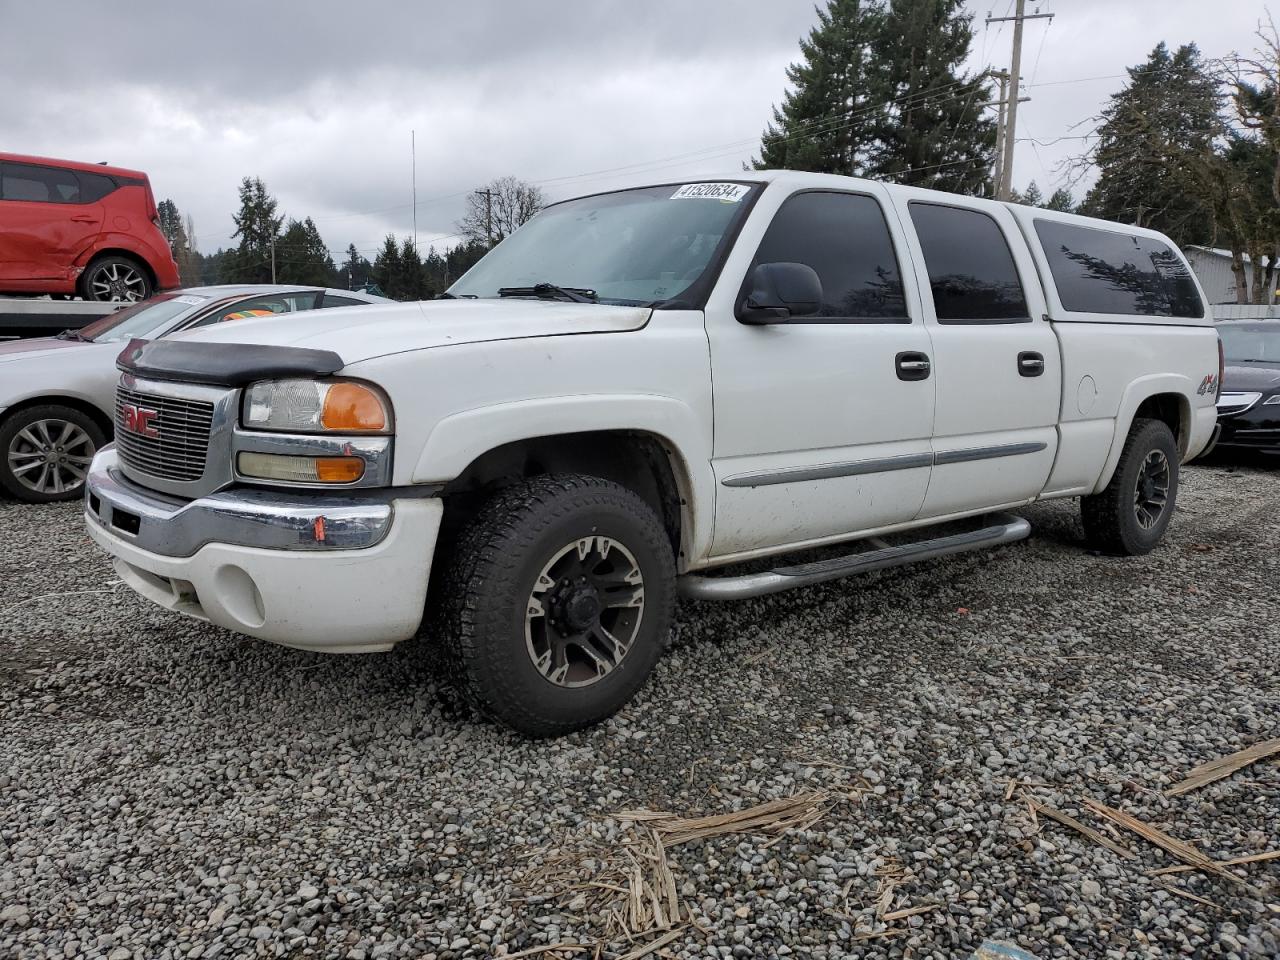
{"points": [[223, 364]]}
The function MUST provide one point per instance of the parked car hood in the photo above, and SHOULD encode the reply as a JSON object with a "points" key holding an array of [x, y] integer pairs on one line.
{"points": [[1248, 377], [36, 347], [360, 333]]}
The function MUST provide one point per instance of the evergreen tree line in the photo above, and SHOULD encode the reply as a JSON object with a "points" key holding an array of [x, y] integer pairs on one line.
{"points": [[398, 270], [1192, 149], [880, 91], [1185, 147]]}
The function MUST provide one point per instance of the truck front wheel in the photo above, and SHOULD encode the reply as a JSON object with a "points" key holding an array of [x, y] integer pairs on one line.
{"points": [[1130, 515], [557, 602]]}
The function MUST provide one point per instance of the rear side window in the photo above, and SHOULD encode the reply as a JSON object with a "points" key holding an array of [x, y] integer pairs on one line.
{"points": [[971, 271], [333, 300], [20, 181], [845, 239], [94, 186], [1103, 271]]}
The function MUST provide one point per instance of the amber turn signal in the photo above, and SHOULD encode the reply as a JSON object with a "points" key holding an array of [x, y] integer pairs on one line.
{"points": [[339, 469], [350, 406], [270, 466]]}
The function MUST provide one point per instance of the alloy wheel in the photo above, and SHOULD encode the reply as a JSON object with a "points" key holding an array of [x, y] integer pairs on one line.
{"points": [[117, 281], [50, 456], [1152, 492], [584, 611]]}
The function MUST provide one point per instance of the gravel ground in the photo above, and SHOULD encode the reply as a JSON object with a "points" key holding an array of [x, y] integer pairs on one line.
{"points": [[171, 790]]}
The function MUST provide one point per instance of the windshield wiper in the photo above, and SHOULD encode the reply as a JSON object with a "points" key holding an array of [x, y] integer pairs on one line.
{"points": [[71, 335], [549, 291]]}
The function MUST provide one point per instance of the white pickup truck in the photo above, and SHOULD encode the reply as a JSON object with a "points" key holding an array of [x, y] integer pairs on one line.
{"points": [[638, 389]]}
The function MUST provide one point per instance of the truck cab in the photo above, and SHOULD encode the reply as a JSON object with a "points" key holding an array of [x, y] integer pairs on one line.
{"points": [[638, 391]]}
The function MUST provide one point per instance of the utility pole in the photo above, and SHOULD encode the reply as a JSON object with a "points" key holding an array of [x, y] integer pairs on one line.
{"points": [[1002, 78], [273, 259], [488, 213], [1004, 190]]}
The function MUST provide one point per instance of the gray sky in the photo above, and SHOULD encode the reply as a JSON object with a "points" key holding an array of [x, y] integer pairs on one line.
{"points": [[318, 98]]}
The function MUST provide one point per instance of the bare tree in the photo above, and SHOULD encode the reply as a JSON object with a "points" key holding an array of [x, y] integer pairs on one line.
{"points": [[496, 210], [1254, 82]]}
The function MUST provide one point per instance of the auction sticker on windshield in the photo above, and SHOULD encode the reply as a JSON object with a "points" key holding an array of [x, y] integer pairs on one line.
{"points": [[728, 192]]}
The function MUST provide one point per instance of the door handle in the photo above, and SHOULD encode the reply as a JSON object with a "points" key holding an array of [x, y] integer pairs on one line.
{"points": [[1030, 363], [83, 219], [912, 365]]}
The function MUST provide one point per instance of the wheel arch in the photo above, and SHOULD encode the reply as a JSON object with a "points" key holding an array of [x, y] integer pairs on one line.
{"points": [[88, 408], [642, 462], [117, 249], [1164, 397], [655, 442]]}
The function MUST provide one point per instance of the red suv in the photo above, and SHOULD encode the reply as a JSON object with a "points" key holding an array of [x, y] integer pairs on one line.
{"points": [[80, 228]]}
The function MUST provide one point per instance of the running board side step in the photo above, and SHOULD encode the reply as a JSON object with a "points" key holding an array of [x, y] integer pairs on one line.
{"points": [[1002, 528]]}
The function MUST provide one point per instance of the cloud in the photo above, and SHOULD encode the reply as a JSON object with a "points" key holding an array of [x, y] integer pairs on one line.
{"points": [[319, 98]]}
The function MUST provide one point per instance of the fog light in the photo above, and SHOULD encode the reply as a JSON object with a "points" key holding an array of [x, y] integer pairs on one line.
{"points": [[273, 466]]}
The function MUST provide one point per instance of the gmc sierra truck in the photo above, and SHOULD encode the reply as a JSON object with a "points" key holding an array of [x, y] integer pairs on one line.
{"points": [[634, 394]]}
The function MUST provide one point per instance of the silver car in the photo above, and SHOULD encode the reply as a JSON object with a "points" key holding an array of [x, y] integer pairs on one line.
{"points": [[57, 394]]}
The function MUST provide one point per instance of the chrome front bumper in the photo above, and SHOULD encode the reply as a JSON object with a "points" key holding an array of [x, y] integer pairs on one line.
{"points": [[267, 519]]}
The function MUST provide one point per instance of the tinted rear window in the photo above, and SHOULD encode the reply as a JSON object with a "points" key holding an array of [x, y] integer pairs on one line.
{"points": [[971, 271], [1103, 271], [94, 186]]}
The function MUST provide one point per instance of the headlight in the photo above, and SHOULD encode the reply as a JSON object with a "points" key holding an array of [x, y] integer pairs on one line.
{"points": [[316, 406], [1270, 400]]}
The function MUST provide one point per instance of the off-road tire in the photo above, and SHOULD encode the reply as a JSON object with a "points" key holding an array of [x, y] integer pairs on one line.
{"points": [[12, 425], [489, 573], [1110, 519]]}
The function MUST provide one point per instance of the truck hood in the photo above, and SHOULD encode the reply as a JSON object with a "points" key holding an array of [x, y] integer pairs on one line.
{"points": [[361, 333], [37, 347], [1249, 377]]}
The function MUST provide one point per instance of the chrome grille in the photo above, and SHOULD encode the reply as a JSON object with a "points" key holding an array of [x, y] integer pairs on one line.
{"points": [[181, 447]]}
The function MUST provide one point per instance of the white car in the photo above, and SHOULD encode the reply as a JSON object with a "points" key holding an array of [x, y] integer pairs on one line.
{"points": [[57, 394], [640, 389]]}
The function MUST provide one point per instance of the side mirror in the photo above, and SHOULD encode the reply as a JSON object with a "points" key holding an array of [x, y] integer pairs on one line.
{"points": [[776, 292]]}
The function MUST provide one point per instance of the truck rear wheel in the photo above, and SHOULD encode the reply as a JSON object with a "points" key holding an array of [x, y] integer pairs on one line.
{"points": [[1129, 517], [557, 602]]}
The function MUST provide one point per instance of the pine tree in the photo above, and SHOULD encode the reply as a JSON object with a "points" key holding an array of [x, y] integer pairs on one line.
{"points": [[302, 257], [386, 268], [410, 279], [933, 131], [191, 266], [355, 269], [1061, 200], [1032, 198], [828, 118], [1151, 144], [175, 232], [258, 227]]}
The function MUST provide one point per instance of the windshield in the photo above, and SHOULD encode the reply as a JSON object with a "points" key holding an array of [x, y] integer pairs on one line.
{"points": [[143, 320], [1251, 343], [630, 247]]}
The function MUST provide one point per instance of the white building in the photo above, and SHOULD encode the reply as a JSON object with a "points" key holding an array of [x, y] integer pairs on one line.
{"points": [[1213, 270]]}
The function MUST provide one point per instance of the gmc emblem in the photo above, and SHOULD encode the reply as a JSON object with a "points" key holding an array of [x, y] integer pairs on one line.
{"points": [[139, 420]]}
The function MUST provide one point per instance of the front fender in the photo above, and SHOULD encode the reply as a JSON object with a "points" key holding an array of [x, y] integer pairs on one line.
{"points": [[458, 440], [1141, 389]]}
